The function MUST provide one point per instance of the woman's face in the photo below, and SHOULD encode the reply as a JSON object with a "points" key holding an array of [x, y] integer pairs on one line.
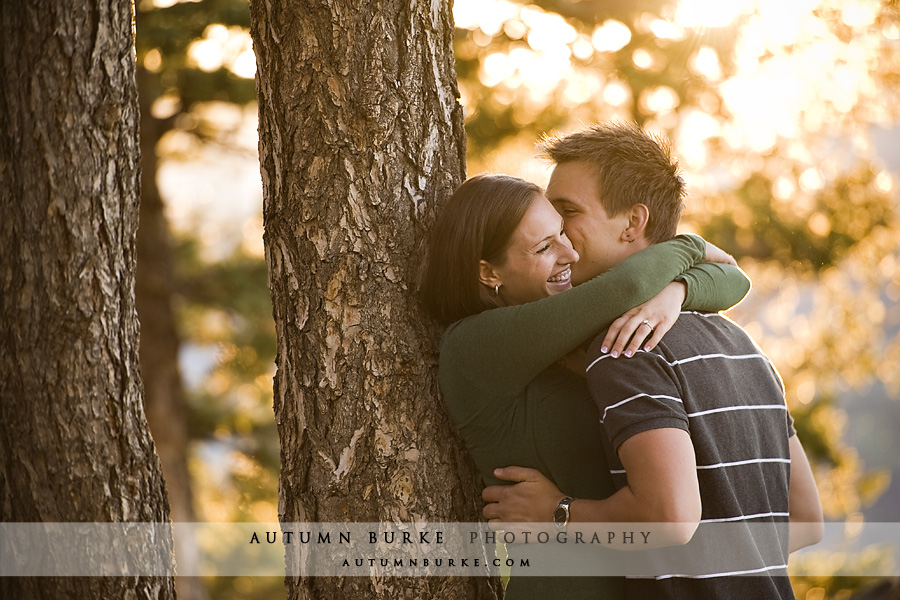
{"points": [[537, 261]]}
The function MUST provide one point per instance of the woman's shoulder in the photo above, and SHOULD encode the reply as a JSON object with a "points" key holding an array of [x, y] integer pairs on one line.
{"points": [[467, 332]]}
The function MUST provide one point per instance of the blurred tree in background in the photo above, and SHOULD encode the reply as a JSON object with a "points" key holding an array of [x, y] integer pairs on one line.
{"points": [[783, 114], [216, 440]]}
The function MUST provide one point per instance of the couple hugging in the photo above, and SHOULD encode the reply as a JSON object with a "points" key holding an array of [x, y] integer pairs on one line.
{"points": [[672, 414]]}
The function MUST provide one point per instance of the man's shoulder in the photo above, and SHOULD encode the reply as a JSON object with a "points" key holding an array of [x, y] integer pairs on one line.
{"points": [[694, 333], [708, 331], [693, 324]]}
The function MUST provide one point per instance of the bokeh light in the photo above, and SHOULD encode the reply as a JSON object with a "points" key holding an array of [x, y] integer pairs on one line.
{"points": [[710, 13]]}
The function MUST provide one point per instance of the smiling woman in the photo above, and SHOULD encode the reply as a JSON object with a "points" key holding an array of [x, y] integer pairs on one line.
{"points": [[537, 262], [474, 227]]}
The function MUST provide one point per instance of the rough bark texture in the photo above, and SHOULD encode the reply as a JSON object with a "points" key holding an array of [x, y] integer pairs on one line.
{"points": [[74, 444], [361, 136], [164, 396]]}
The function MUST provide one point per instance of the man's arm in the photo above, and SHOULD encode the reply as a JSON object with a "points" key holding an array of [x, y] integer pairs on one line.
{"points": [[662, 488], [806, 521]]}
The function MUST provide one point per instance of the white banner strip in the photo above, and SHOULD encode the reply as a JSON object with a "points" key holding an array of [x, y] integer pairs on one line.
{"points": [[438, 549]]}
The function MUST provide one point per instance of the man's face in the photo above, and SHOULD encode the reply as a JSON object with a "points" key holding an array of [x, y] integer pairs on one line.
{"points": [[597, 237]]}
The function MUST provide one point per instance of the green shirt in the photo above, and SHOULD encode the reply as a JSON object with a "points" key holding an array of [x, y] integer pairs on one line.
{"points": [[513, 405]]}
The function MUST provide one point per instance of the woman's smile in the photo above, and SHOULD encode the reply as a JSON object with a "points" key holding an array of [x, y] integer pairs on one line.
{"points": [[564, 277]]}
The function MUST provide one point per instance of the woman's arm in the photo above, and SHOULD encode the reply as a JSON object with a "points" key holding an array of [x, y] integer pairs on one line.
{"points": [[712, 287], [504, 348]]}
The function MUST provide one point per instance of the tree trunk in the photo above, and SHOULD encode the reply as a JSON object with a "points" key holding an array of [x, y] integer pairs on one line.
{"points": [[361, 136], [164, 395], [74, 445]]}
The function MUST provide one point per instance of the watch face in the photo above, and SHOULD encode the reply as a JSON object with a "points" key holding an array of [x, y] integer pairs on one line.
{"points": [[559, 515]]}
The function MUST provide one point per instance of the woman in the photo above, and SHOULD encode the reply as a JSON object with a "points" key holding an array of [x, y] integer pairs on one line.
{"points": [[500, 373]]}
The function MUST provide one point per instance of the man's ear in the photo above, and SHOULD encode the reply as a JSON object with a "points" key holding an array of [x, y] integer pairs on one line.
{"points": [[488, 275], [638, 217]]}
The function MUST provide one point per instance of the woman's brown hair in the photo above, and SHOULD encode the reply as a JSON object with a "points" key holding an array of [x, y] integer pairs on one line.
{"points": [[475, 224]]}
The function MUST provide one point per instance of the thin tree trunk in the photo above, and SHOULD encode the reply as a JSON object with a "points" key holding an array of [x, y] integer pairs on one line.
{"points": [[74, 444], [361, 136], [164, 395]]}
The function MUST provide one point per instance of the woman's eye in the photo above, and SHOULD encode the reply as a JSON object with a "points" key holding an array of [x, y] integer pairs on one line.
{"points": [[543, 249]]}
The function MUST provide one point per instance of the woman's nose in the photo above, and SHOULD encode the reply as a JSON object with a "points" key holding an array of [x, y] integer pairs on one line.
{"points": [[569, 255]]}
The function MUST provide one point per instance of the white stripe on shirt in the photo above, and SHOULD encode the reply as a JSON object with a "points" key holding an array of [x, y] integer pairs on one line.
{"points": [[722, 465], [745, 462], [635, 397], [711, 575], [746, 517], [726, 356], [730, 408], [689, 359]]}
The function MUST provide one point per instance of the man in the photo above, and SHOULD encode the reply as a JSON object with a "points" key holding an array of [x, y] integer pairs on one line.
{"points": [[696, 430]]}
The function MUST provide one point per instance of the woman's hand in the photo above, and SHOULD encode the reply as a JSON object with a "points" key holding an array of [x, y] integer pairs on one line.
{"points": [[648, 323], [716, 254]]}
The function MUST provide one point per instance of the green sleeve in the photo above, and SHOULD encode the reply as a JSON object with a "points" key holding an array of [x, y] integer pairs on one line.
{"points": [[502, 349], [712, 287]]}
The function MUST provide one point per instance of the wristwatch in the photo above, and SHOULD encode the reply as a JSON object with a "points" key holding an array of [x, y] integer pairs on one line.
{"points": [[561, 514]]}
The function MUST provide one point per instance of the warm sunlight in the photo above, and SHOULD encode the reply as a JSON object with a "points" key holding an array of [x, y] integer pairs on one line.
{"points": [[782, 45], [793, 73], [223, 46], [710, 13], [168, 3]]}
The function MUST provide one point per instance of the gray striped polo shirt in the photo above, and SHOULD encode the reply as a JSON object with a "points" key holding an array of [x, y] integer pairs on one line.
{"points": [[709, 378]]}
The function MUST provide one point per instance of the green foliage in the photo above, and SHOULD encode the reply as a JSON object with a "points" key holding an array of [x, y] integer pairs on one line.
{"points": [[811, 233], [171, 30], [164, 39], [226, 305]]}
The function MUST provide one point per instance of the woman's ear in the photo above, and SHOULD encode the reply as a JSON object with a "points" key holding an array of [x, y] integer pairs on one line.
{"points": [[638, 217], [488, 275]]}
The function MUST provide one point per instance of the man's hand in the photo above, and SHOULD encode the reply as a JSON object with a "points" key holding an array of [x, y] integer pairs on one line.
{"points": [[532, 499]]}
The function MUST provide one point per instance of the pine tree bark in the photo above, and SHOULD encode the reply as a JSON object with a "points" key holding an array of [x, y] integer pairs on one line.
{"points": [[361, 137], [74, 443]]}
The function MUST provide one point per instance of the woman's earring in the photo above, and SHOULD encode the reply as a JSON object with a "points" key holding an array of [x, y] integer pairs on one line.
{"points": [[497, 290]]}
